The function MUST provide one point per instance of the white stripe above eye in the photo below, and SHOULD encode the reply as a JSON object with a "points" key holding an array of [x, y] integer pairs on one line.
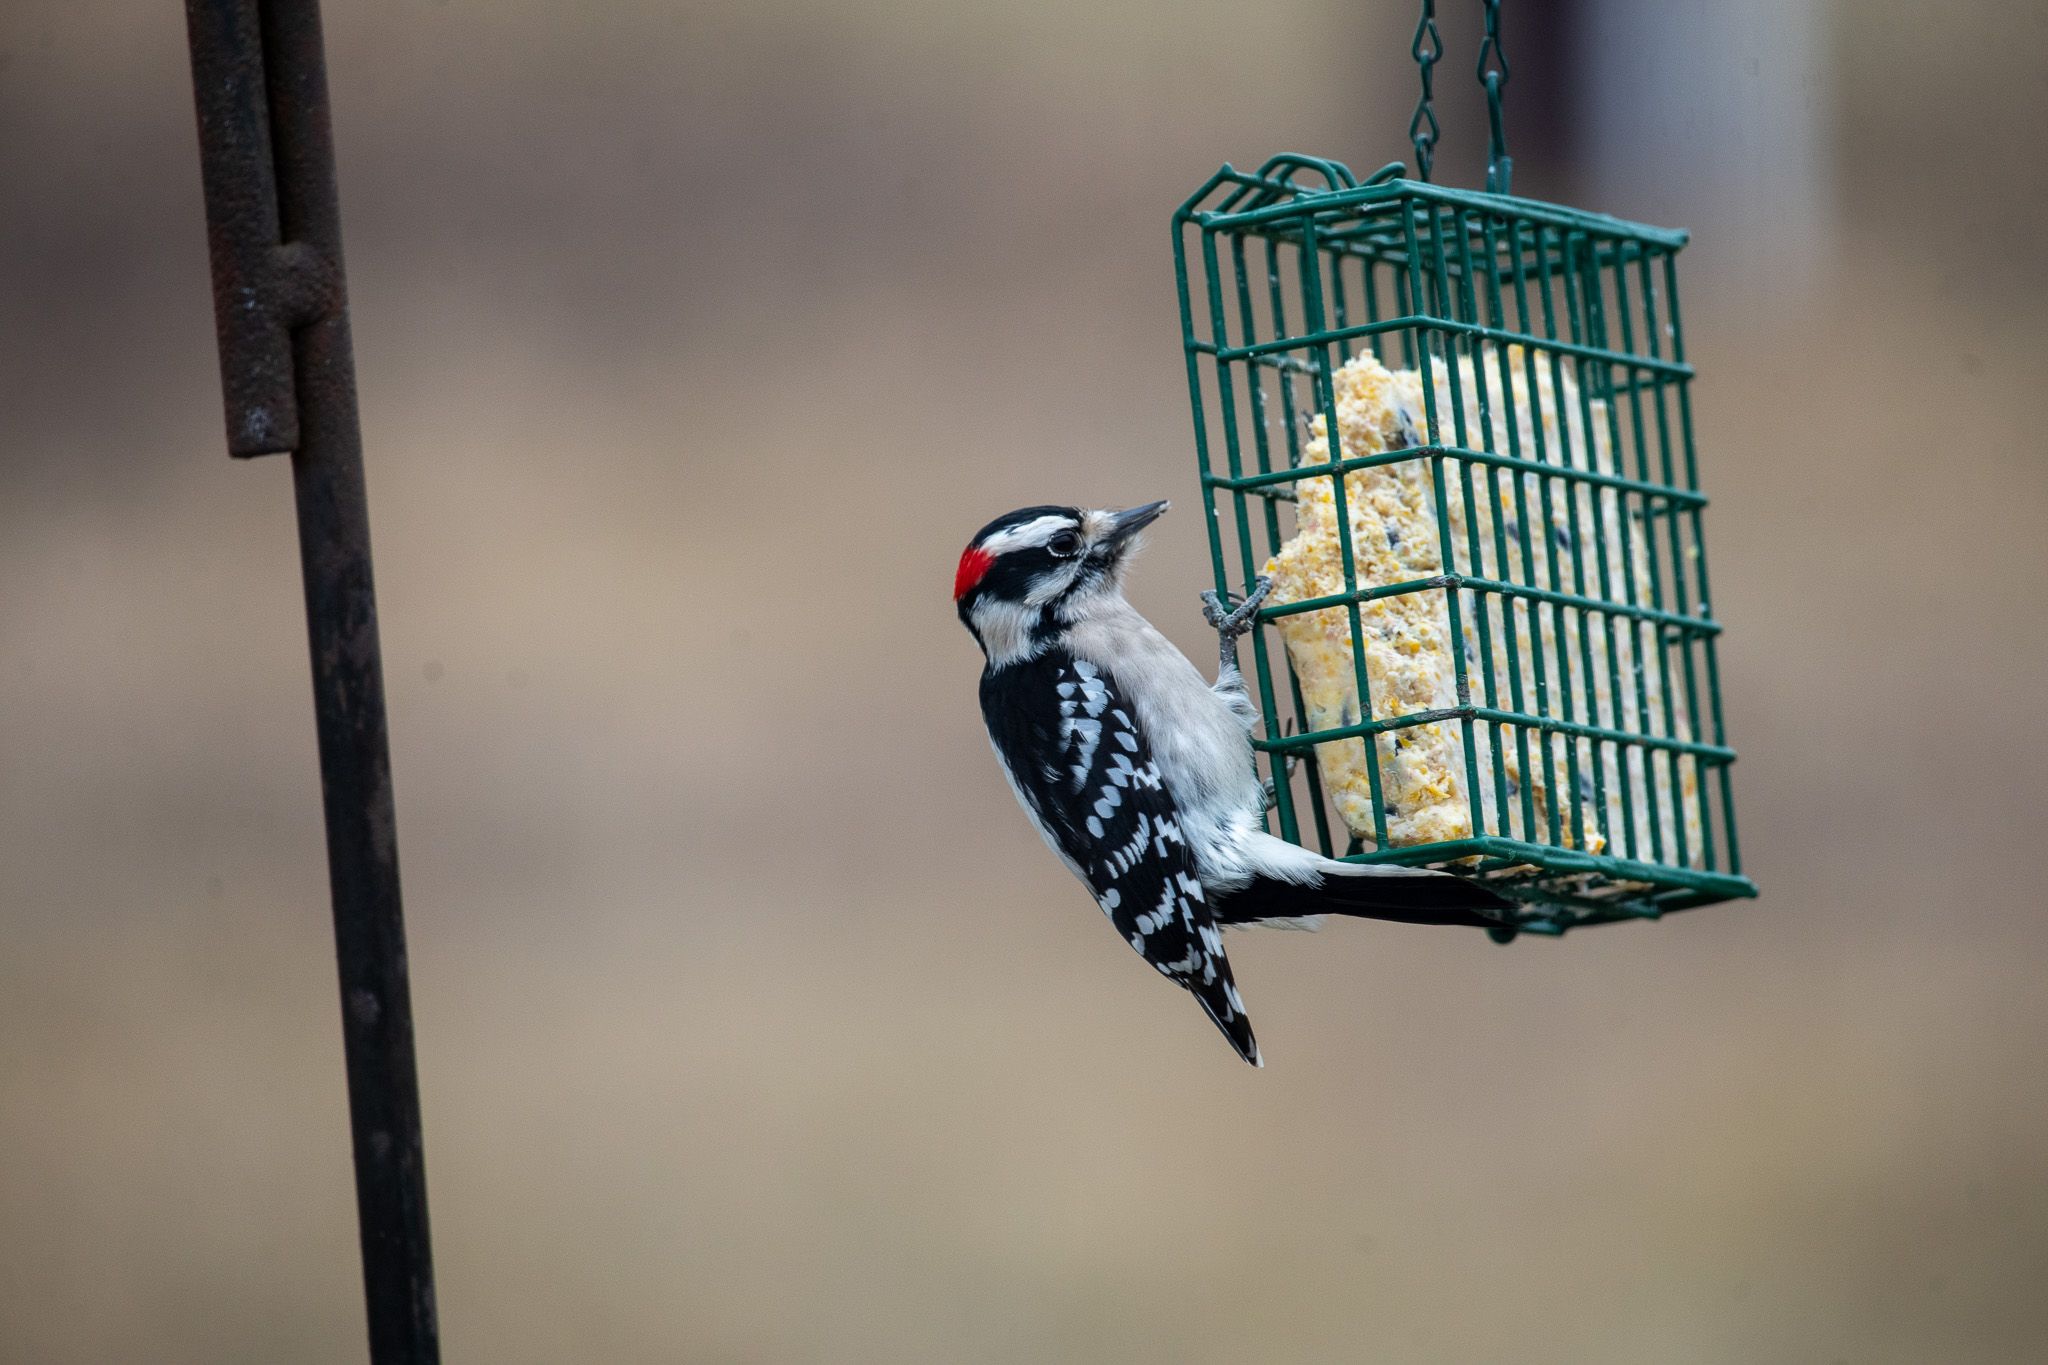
{"points": [[1028, 534]]}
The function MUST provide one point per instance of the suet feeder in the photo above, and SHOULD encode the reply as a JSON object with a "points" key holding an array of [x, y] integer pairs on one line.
{"points": [[1454, 427]]}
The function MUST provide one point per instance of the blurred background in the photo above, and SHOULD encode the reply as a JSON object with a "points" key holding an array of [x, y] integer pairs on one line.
{"points": [[755, 1024]]}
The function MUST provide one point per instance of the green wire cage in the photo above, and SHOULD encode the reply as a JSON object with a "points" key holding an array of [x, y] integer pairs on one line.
{"points": [[1455, 428]]}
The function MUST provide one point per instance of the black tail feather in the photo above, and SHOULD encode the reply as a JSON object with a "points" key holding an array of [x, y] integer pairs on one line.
{"points": [[1428, 899], [1230, 1018]]}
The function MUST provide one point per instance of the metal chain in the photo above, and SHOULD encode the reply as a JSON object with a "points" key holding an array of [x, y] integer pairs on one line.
{"points": [[1427, 50], [1493, 75]]}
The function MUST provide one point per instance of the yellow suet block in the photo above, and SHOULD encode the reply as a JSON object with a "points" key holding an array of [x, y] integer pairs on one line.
{"points": [[1535, 655]]}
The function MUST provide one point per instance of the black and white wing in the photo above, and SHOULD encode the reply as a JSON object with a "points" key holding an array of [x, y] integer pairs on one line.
{"points": [[1081, 766]]}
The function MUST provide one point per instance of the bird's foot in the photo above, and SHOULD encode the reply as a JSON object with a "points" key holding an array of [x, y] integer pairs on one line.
{"points": [[1270, 788], [1233, 622]]}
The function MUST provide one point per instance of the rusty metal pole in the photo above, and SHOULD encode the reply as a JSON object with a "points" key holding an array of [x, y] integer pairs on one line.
{"points": [[273, 217]]}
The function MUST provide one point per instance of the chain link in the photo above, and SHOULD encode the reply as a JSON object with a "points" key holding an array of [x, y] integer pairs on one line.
{"points": [[1427, 49], [1493, 75]]}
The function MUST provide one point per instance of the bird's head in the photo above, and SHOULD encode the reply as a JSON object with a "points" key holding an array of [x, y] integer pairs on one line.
{"points": [[1029, 572]]}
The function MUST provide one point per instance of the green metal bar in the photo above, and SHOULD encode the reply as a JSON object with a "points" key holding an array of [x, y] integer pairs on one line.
{"points": [[1485, 457], [1247, 326], [1368, 269], [1699, 545], [1447, 543], [1192, 205], [1404, 302], [1540, 472], [1317, 796], [1690, 625], [1379, 240], [1577, 318], [1546, 293], [1199, 408], [1514, 612], [1226, 389], [1309, 206], [1338, 599], [1655, 589], [1453, 598], [1469, 310], [1284, 805], [1283, 794], [1262, 187], [1284, 363], [1673, 539], [1515, 851], [1291, 427], [1326, 396], [1594, 385], [1226, 394], [1339, 311], [1713, 753], [1673, 536], [1424, 322], [1318, 806], [1679, 576]]}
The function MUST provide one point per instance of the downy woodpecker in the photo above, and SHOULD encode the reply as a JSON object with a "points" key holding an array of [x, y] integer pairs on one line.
{"points": [[1139, 774]]}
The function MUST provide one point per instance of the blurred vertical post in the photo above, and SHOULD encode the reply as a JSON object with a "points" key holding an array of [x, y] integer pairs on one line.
{"points": [[288, 377]]}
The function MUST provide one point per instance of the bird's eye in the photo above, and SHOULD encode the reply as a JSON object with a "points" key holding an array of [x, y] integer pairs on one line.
{"points": [[1066, 544]]}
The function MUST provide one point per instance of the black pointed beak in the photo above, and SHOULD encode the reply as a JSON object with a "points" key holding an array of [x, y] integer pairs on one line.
{"points": [[1127, 524]]}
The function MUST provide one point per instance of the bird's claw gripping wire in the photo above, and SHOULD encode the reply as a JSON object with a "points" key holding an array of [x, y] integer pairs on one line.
{"points": [[1270, 788], [1229, 623], [1236, 621]]}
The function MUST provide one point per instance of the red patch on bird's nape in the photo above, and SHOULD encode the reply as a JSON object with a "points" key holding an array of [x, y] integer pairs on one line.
{"points": [[974, 562]]}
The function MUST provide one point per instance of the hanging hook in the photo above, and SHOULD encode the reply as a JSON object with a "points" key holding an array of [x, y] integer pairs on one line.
{"points": [[1493, 75]]}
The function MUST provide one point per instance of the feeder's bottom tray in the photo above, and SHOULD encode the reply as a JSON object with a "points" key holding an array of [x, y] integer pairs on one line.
{"points": [[1561, 888]]}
